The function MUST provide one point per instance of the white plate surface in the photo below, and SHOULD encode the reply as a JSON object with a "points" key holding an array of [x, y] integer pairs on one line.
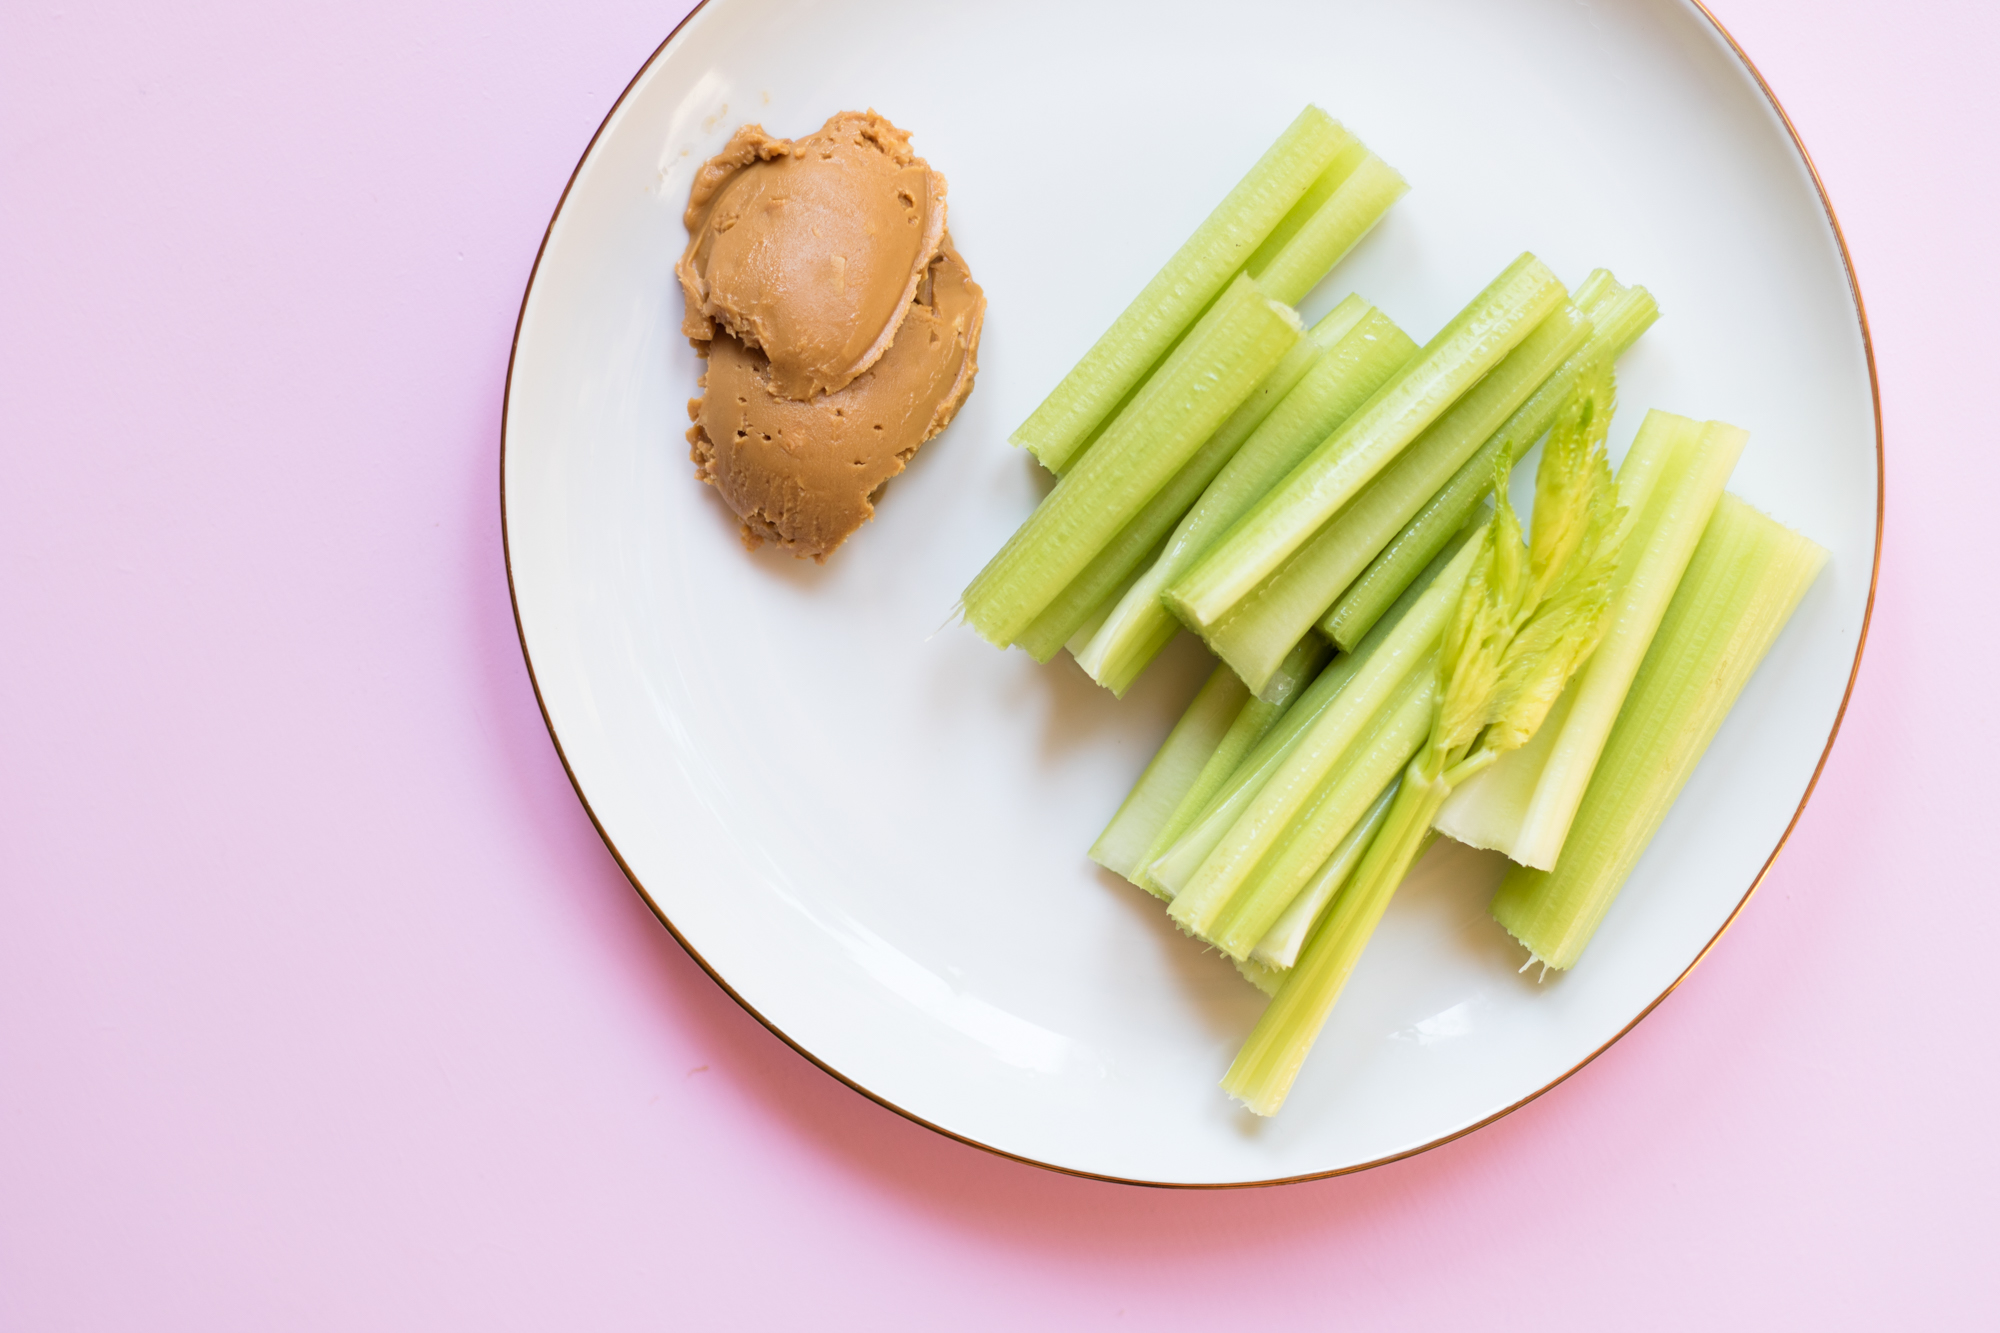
{"points": [[871, 826]]}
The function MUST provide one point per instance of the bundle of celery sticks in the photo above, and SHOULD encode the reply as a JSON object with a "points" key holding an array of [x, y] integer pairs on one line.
{"points": [[1327, 508]]}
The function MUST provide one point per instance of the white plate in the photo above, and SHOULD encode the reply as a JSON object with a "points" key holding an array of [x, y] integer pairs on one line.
{"points": [[871, 827]]}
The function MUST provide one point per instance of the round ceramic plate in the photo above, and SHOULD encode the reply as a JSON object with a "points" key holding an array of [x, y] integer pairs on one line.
{"points": [[869, 825]]}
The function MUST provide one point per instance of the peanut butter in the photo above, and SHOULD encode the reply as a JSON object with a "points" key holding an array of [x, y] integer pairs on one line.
{"points": [[810, 250], [804, 473], [840, 326]]}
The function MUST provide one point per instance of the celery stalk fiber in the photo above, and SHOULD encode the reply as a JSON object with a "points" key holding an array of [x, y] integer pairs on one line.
{"points": [[1618, 315], [1171, 869], [1526, 620], [1261, 628], [1138, 544], [1491, 326], [1746, 578], [1406, 653], [1341, 207], [1338, 807], [1241, 340], [1525, 803], [1363, 350], [1279, 949], [1173, 770], [1254, 720], [1090, 394]]}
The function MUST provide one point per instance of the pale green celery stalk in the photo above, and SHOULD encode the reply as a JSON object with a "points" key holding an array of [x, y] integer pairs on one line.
{"points": [[1523, 805], [1527, 619], [1173, 770], [1207, 378], [1363, 350], [1254, 721], [1472, 344], [1261, 628], [1265, 1068], [1171, 868], [1745, 580], [1295, 257], [1103, 612], [1342, 206], [1090, 394], [1279, 949], [1094, 593], [1169, 871], [1337, 809], [1618, 316], [1410, 650]]}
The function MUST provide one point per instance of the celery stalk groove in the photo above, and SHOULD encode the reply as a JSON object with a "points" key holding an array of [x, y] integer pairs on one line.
{"points": [[1087, 396]]}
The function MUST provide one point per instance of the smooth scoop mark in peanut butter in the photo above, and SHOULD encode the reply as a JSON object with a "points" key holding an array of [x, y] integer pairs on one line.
{"points": [[804, 473], [810, 250]]}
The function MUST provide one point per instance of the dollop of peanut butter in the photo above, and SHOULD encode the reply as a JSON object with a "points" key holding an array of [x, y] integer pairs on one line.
{"points": [[840, 326], [805, 473], [810, 250]]}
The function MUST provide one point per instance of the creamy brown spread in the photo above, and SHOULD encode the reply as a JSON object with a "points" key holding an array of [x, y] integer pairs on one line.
{"points": [[840, 326]]}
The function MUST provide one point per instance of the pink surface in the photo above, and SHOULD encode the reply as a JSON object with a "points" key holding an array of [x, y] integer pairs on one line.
{"points": [[322, 1006]]}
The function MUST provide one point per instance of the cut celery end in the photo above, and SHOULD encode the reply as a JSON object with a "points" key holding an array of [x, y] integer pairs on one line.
{"points": [[1207, 378], [1316, 197], [1619, 317], [1139, 338], [1407, 651], [1094, 593], [1279, 949], [1269, 1062], [1746, 578], [1525, 803], [1339, 806], [1254, 720], [1170, 871], [1261, 627], [1266, 979], [1364, 350], [1475, 341], [1348, 213], [1173, 770]]}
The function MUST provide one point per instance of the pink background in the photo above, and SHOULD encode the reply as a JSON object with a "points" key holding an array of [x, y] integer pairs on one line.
{"points": [[322, 1006]]}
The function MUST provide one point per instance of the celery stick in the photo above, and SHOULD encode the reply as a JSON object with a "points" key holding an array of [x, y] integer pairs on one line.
{"points": [[1137, 340], [1338, 807], [1095, 592], [1526, 619], [1409, 650], [1279, 949], [1261, 628], [1619, 316], [1746, 578], [1098, 615], [1523, 805], [1472, 344], [1364, 350], [1265, 1068], [1243, 339], [1293, 260], [1171, 869], [1254, 720], [1173, 770]]}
